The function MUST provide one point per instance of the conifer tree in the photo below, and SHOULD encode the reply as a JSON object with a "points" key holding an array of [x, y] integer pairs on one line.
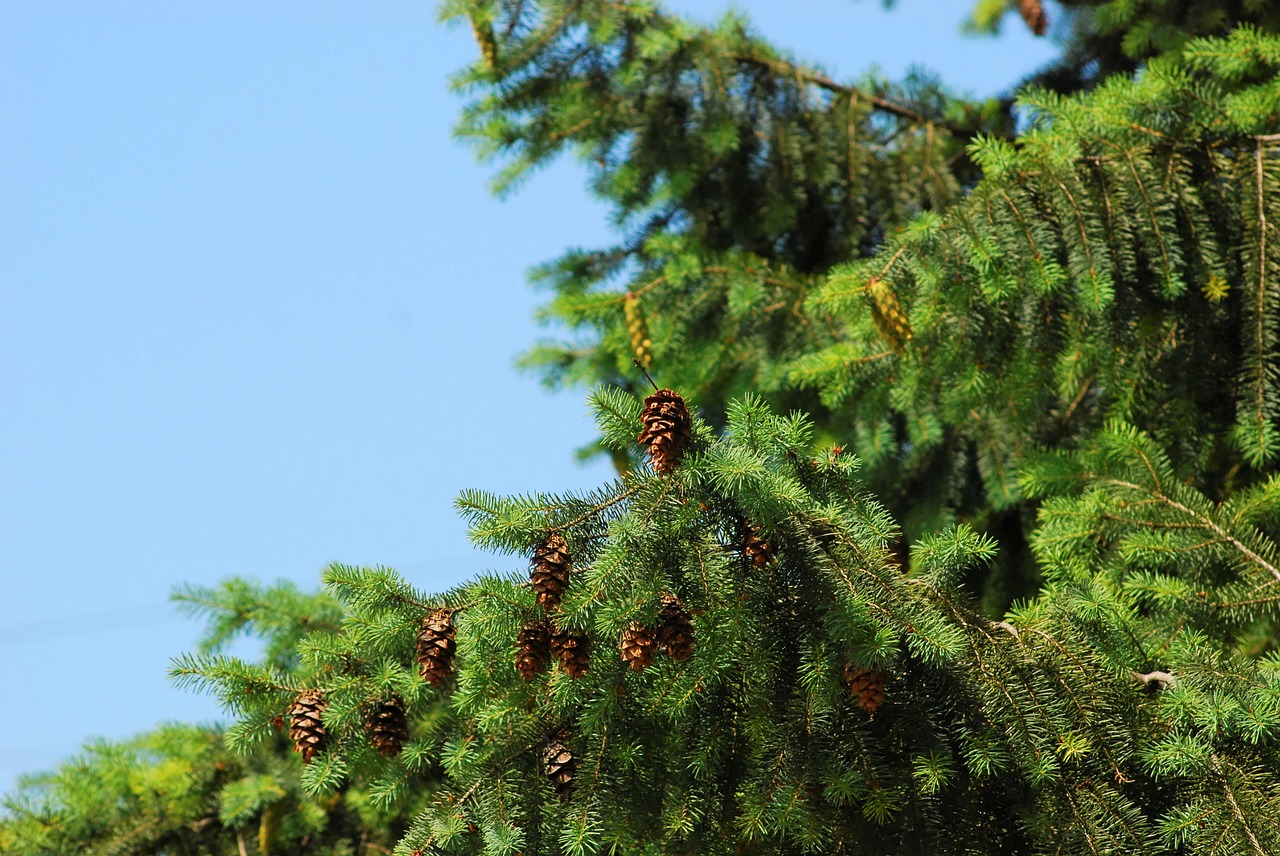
{"points": [[898, 343], [760, 216], [188, 789]]}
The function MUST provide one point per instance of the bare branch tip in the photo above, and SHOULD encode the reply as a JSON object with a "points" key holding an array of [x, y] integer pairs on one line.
{"points": [[640, 366]]}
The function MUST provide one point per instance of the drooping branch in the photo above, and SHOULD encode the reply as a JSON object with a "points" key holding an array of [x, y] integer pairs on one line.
{"points": [[877, 102]]}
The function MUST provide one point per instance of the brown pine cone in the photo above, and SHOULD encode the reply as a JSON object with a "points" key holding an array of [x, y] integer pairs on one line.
{"points": [[865, 685], [755, 548], [1032, 11], [668, 429], [436, 647], [306, 729], [637, 646], [533, 650], [572, 650], [550, 574], [559, 765], [389, 727], [675, 629]]}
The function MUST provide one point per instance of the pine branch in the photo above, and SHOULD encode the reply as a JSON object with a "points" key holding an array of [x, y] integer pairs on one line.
{"points": [[1201, 521], [878, 102]]}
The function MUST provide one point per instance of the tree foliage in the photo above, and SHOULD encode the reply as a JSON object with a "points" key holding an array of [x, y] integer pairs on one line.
{"points": [[194, 789], [975, 535]]}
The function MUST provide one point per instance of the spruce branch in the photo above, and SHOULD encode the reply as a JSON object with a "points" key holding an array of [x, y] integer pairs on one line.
{"points": [[1229, 792], [1201, 521], [880, 103]]}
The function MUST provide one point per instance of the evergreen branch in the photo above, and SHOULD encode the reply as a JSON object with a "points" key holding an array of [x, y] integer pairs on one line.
{"points": [[1083, 713], [1229, 793], [977, 625], [1204, 522], [1150, 208], [880, 103], [499, 768], [602, 506]]}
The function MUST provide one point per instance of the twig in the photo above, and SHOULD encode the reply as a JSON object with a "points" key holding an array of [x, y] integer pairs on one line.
{"points": [[884, 105]]}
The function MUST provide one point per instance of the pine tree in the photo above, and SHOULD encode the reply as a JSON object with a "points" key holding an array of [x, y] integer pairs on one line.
{"points": [[830, 247], [834, 702], [201, 790], [909, 345]]}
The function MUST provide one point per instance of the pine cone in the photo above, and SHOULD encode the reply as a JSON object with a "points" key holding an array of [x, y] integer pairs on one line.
{"points": [[1032, 11], [436, 647], [755, 548], [550, 575], [667, 429], [886, 312], [675, 630], [638, 330], [559, 765], [388, 727], [637, 646], [533, 650], [572, 650], [865, 685], [306, 730]]}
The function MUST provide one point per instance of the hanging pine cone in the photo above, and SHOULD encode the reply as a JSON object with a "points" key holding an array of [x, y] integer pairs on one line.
{"points": [[572, 650], [637, 646], [675, 630], [436, 647], [886, 312], [388, 727], [533, 650], [1032, 11], [755, 548], [306, 729], [550, 575], [667, 429], [865, 685], [638, 330], [559, 765]]}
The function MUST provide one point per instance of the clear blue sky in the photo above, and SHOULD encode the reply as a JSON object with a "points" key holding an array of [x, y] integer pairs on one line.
{"points": [[258, 314]]}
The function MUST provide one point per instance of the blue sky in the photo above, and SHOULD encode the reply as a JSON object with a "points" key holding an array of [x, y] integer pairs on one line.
{"points": [[258, 313]]}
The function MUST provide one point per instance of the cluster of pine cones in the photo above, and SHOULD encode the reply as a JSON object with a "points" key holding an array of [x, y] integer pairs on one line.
{"points": [[666, 434], [541, 640], [386, 722], [667, 430]]}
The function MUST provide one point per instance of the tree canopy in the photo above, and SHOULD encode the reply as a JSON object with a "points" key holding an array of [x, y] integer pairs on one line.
{"points": [[952, 530]]}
